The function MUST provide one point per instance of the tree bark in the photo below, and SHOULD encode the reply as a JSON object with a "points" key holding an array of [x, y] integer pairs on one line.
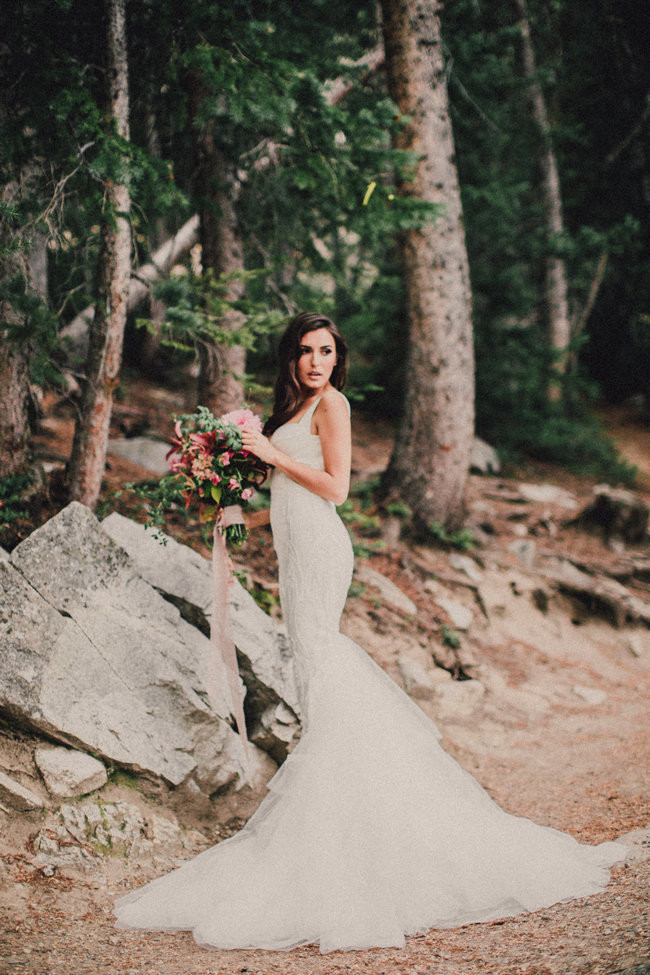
{"points": [[556, 290], [14, 400], [107, 331], [430, 461], [26, 259], [220, 366]]}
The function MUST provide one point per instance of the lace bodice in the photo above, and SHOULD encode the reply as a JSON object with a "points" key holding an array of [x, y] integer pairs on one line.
{"points": [[314, 551], [296, 439]]}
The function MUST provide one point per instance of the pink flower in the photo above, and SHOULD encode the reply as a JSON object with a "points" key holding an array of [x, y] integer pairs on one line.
{"points": [[247, 494], [225, 458], [203, 441], [243, 418], [233, 484], [214, 477], [201, 466]]}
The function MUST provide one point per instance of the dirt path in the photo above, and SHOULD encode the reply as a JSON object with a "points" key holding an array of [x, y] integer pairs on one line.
{"points": [[604, 934]]}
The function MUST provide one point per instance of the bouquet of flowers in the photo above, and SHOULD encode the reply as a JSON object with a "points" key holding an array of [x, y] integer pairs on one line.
{"points": [[208, 463]]}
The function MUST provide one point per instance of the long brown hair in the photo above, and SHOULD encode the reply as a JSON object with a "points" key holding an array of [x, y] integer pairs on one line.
{"points": [[288, 392]]}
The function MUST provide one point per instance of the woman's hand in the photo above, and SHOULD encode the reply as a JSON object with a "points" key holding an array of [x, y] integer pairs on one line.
{"points": [[258, 444]]}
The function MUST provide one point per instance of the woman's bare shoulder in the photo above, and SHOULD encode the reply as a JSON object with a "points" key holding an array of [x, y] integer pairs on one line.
{"points": [[334, 403]]}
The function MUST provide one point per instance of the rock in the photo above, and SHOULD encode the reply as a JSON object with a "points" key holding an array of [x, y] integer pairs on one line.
{"points": [[390, 592], [56, 851], [119, 829], [439, 675], [460, 615], [417, 682], [147, 452], [483, 458], [69, 773], [638, 643], [458, 700], [525, 550], [261, 768], [589, 694], [548, 494], [274, 730], [463, 563], [97, 659], [185, 578], [18, 796], [89, 831], [599, 595], [4, 556], [617, 513]]}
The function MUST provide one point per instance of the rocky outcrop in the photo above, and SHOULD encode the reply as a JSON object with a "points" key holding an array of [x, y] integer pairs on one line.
{"points": [[597, 595], [617, 514], [17, 796], [81, 835], [184, 578], [97, 659], [67, 772]]}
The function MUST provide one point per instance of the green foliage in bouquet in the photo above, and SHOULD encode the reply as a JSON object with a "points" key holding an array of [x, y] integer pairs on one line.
{"points": [[208, 467]]}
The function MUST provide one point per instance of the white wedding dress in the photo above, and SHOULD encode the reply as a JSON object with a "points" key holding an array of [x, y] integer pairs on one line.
{"points": [[370, 830]]}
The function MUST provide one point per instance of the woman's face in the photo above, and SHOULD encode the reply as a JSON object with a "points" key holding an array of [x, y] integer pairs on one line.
{"points": [[316, 360]]}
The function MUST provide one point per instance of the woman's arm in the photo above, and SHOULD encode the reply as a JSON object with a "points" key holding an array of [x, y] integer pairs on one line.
{"points": [[254, 519], [333, 426]]}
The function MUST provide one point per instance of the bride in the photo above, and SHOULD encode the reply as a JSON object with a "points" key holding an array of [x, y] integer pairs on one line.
{"points": [[370, 831]]}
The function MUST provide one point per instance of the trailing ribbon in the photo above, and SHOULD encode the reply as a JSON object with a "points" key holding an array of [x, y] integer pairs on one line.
{"points": [[220, 627]]}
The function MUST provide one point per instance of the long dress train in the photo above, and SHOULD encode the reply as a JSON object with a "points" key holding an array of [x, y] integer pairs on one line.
{"points": [[370, 831]]}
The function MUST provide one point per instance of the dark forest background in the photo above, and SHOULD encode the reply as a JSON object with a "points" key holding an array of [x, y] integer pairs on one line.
{"points": [[272, 127]]}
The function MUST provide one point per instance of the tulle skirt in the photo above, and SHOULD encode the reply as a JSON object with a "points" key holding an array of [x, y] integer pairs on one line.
{"points": [[370, 832]]}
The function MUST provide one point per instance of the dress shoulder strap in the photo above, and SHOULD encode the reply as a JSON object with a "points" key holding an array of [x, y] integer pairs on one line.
{"points": [[307, 415]]}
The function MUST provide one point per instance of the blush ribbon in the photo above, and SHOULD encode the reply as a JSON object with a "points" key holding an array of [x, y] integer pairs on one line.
{"points": [[221, 625]]}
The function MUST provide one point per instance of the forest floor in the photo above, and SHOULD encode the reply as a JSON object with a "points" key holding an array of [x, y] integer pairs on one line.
{"points": [[578, 766]]}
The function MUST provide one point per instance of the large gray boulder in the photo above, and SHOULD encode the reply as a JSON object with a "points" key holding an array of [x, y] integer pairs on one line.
{"points": [[147, 452], [97, 659], [184, 577]]}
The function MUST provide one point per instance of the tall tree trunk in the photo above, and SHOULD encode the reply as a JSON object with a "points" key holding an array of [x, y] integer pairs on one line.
{"points": [[430, 460], [26, 259], [14, 399], [107, 331], [14, 358], [556, 291], [150, 344], [219, 387]]}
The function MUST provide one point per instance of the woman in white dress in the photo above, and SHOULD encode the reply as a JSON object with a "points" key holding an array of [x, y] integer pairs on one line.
{"points": [[370, 831]]}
